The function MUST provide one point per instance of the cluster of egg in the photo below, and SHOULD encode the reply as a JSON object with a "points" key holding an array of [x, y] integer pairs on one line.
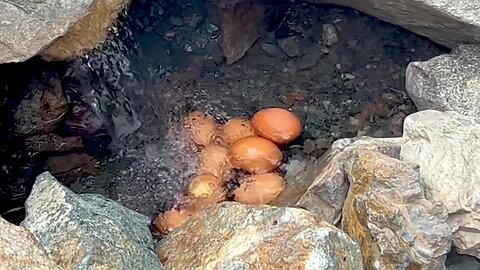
{"points": [[251, 147]]}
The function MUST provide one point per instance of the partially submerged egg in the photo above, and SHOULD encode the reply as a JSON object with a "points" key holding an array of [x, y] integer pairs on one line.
{"points": [[214, 160], [260, 189], [277, 125], [206, 185], [172, 219], [255, 155], [201, 127], [236, 129]]}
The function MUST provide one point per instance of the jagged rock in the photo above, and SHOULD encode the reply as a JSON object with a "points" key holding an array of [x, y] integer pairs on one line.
{"points": [[445, 145], [88, 33], [239, 24], [87, 231], [42, 108], [449, 23], [20, 250], [449, 82], [235, 236], [387, 213]]}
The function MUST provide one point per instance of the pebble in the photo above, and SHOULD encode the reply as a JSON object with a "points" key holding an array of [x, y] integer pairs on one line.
{"points": [[290, 46], [329, 35]]}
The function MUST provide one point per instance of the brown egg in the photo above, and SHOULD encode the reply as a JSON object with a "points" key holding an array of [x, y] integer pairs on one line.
{"points": [[205, 185], [255, 155], [172, 219], [278, 125], [202, 128], [260, 189], [236, 129], [214, 160]]}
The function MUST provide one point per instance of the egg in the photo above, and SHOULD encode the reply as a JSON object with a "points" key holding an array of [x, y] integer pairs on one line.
{"points": [[202, 128], [277, 125], [206, 185], [172, 219], [259, 189], [236, 129], [214, 160], [255, 155]]}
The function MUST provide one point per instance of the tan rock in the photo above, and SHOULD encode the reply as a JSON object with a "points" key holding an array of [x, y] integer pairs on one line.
{"points": [[20, 250], [235, 236]]}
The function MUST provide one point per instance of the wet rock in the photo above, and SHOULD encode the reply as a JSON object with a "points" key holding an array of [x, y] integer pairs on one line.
{"points": [[445, 146], [387, 213], [449, 23], [82, 120], [72, 167], [20, 250], [449, 82], [42, 108], [239, 24], [53, 143], [290, 46], [235, 236], [329, 35], [29, 26], [87, 34], [87, 231]]}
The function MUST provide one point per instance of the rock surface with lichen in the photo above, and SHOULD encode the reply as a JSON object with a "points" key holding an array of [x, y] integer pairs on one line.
{"points": [[87, 231], [20, 250], [236, 236]]}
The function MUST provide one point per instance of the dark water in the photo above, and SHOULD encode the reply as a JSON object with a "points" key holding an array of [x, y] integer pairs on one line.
{"points": [[164, 61]]}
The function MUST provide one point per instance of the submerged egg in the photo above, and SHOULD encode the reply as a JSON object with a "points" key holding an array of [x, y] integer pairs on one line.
{"points": [[255, 155], [214, 161], [201, 127], [172, 219], [206, 185], [278, 125], [260, 189], [236, 129]]}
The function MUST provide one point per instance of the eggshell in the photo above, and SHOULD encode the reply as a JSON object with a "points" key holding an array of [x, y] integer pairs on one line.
{"points": [[277, 125], [214, 160], [260, 189], [255, 155], [205, 186], [202, 128], [236, 129], [172, 219]]}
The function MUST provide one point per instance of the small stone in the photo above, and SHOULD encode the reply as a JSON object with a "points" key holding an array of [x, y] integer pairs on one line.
{"points": [[270, 49], [348, 76], [329, 35], [307, 62], [290, 46], [308, 146]]}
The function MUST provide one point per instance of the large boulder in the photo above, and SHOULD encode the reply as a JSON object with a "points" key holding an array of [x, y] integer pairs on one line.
{"points": [[88, 231], [449, 82], [235, 236], [449, 23]]}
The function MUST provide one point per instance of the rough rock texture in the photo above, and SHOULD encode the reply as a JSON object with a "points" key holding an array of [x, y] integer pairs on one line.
{"points": [[449, 82], [239, 24], [445, 145], [387, 214], [449, 23], [20, 250], [87, 231], [234, 236], [87, 34]]}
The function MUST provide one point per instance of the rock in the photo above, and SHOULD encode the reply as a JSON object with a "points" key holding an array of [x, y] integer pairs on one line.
{"points": [[235, 236], [42, 108], [387, 213], [71, 167], [462, 262], [329, 35], [449, 23], [87, 231], [270, 49], [87, 34], [20, 250], [53, 143], [290, 46], [239, 24], [445, 146], [449, 82]]}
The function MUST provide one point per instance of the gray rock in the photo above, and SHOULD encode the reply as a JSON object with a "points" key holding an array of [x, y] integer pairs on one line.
{"points": [[329, 35], [462, 262], [29, 26], [235, 236], [87, 231], [290, 46], [20, 250], [445, 145], [449, 23], [449, 82]]}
